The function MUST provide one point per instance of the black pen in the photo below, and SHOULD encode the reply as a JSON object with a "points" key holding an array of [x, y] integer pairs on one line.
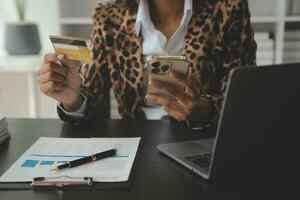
{"points": [[88, 159]]}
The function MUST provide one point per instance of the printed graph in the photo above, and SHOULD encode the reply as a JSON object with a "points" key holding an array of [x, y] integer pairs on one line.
{"points": [[35, 163]]}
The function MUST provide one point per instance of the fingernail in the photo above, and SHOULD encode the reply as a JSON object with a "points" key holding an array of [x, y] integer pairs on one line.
{"points": [[61, 57]]}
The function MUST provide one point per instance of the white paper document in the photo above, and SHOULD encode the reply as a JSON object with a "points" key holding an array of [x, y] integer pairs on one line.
{"points": [[47, 153]]}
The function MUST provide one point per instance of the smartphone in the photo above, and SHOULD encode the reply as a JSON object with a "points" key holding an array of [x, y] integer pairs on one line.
{"points": [[159, 68]]}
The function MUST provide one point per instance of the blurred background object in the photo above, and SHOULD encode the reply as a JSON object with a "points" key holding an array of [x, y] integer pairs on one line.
{"points": [[293, 7], [19, 95], [22, 37], [4, 132], [276, 24]]}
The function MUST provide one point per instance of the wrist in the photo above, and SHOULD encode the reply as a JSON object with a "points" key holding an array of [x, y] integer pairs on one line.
{"points": [[202, 117], [202, 111], [72, 107], [206, 105]]}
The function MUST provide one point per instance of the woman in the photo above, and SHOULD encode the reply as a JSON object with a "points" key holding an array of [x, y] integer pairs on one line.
{"points": [[215, 35]]}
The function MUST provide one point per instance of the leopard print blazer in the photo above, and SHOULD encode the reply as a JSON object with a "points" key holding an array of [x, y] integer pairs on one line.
{"points": [[219, 38]]}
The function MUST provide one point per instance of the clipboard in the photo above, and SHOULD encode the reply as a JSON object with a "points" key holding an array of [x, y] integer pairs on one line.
{"points": [[62, 181], [84, 183], [94, 186]]}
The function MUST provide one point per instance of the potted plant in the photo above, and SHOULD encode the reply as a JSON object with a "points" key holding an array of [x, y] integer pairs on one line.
{"points": [[22, 38]]}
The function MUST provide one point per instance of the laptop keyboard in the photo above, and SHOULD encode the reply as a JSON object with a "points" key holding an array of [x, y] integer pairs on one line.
{"points": [[202, 160]]}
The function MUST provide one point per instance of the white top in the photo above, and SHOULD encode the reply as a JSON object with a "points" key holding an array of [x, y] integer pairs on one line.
{"points": [[154, 43]]}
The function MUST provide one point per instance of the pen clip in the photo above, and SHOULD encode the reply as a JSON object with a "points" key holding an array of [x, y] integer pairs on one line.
{"points": [[61, 181]]}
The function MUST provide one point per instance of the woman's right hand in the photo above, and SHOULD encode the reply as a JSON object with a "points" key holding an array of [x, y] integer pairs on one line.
{"points": [[59, 78]]}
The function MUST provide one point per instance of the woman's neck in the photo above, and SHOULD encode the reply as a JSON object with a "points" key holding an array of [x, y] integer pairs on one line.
{"points": [[166, 11]]}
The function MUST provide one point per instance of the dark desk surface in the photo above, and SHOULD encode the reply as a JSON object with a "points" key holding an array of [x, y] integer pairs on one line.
{"points": [[155, 177]]}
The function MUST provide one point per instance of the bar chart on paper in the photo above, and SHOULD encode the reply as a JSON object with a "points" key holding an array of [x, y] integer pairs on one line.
{"points": [[47, 153], [44, 163]]}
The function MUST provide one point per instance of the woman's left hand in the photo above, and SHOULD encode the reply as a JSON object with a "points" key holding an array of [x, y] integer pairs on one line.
{"points": [[182, 103]]}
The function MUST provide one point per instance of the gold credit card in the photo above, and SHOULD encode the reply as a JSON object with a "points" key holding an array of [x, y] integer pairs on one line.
{"points": [[73, 48]]}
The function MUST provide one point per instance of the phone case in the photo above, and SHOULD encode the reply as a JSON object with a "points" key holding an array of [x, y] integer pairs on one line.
{"points": [[159, 67]]}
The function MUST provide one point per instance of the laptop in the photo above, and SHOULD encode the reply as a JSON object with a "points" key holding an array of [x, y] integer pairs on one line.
{"points": [[258, 130]]}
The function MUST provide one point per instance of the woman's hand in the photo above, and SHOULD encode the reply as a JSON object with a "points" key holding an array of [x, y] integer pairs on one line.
{"points": [[59, 78], [182, 103]]}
